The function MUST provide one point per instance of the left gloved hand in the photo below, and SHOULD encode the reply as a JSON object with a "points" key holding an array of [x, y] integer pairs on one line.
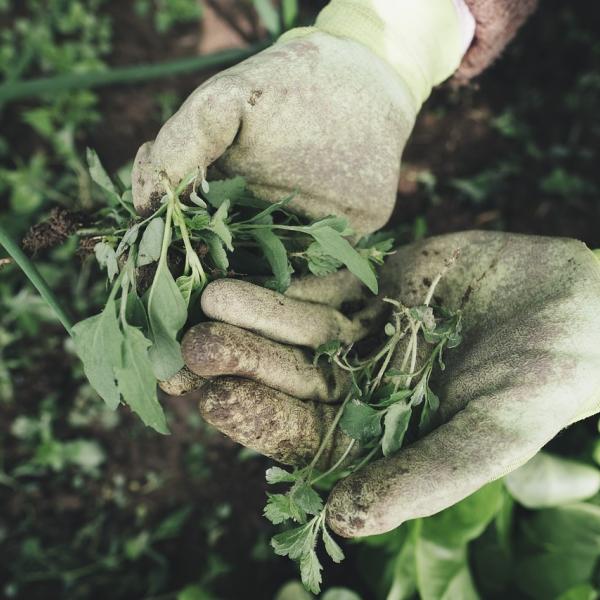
{"points": [[528, 366]]}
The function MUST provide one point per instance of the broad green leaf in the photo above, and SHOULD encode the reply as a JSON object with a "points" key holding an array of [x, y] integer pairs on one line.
{"points": [[225, 189], [167, 313], [360, 421], [98, 343], [339, 248], [548, 575], [466, 520], [338, 593], [395, 425], [443, 572], [107, 258], [306, 498], [580, 592], [219, 226], [404, 577], [135, 312], [151, 242], [574, 528], [276, 254], [548, 480], [279, 475], [332, 547], [310, 571], [136, 380]]}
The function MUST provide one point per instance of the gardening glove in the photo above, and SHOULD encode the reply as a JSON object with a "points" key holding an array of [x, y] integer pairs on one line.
{"points": [[323, 115], [528, 366]]}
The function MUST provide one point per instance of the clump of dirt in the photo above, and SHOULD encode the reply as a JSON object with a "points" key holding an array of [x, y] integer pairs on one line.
{"points": [[52, 232]]}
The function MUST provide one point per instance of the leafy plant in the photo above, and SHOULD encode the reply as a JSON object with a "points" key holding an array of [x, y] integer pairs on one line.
{"points": [[376, 414]]}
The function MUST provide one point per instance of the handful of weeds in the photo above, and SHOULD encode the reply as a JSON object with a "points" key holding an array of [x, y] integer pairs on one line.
{"points": [[383, 405], [134, 340]]}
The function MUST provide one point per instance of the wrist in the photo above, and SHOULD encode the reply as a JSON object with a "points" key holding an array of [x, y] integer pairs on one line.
{"points": [[423, 42]]}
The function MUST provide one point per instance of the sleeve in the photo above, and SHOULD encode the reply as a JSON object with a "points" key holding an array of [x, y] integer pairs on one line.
{"points": [[497, 22]]}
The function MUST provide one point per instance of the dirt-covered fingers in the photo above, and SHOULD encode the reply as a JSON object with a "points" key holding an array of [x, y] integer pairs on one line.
{"points": [[278, 317], [271, 422], [182, 382], [194, 137], [214, 349]]}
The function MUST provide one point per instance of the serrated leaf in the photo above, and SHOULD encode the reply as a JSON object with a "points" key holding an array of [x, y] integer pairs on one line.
{"points": [[339, 248], [278, 475], [360, 421], [219, 226], [98, 344], [225, 189], [277, 509], [319, 262], [151, 242], [310, 571], [306, 498], [136, 380], [294, 542], [167, 314], [395, 425], [331, 547], [199, 221], [107, 258], [276, 255]]}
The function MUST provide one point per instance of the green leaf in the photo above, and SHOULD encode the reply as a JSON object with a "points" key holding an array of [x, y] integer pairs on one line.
{"points": [[397, 418], [167, 314], [226, 189], [339, 248], [289, 9], [268, 15], [428, 412], [199, 221], [404, 576], [276, 255], [279, 475], [98, 174], [98, 344], [443, 572], [294, 542], [329, 349], [419, 391], [310, 572], [137, 382], [340, 224], [135, 312], [360, 421], [216, 250], [466, 520], [277, 509], [319, 262], [219, 226], [548, 480], [580, 592], [107, 258], [151, 242], [331, 546], [128, 239], [306, 498]]}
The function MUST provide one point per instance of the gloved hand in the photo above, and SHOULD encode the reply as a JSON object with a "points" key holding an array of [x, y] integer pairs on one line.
{"points": [[528, 366], [323, 114]]}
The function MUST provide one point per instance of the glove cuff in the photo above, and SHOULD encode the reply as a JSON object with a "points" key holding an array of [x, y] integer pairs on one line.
{"points": [[421, 41]]}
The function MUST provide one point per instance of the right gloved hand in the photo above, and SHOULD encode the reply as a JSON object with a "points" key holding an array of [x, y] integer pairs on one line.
{"points": [[323, 114], [528, 366]]}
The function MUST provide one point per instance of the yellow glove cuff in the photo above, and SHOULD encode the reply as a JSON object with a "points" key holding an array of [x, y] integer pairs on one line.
{"points": [[420, 39]]}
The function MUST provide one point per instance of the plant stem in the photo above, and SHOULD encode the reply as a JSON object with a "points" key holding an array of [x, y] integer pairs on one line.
{"points": [[34, 277], [124, 75], [336, 465]]}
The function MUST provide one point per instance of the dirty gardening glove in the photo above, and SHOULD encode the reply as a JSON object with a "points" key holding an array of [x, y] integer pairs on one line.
{"points": [[323, 114], [528, 366]]}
